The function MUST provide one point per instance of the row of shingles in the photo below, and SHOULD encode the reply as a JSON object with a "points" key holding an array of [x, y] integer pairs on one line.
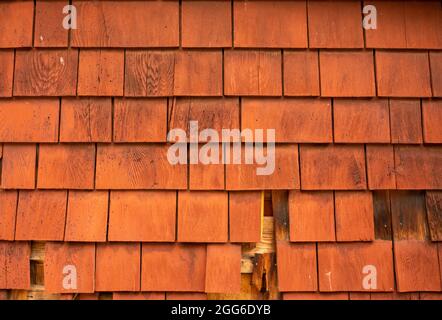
{"points": [[43, 72], [143, 216], [140, 166], [283, 24], [400, 216]]}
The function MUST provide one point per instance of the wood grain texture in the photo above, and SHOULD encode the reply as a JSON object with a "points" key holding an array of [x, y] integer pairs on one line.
{"points": [[211, 113], [126, 24], [436, 75], [140, 120], [16, 22], [137, 166], [31, 120], [418, 167], [312, 216], [280, 206], [245, 216], [124, 257], [252, 73], [417, 266], [146, 216], [380, 167], [101, 73], [48, 29], [244, 176], [173, 267], [79, 255], [275, 28], [69, 166], [341, 266], [86, 120], [382, 215], [402, 74], [223, 268], [18, 166], [311, 118], [355, 121], [339, 167], [87, 216], [434, 214], [354, 216], [6, 72], [349, 74], [46, 72], [41, 215], [409, 217], [202, 216], [296, 265], [301, 73], [15, 271], [432, 117], [8, 209], [406, 121]]}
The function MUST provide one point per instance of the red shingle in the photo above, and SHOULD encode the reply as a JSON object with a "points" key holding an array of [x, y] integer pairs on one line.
{"points": [[270, 24], [16, 23], [86, 120], [418, 167], [430, 296], [69, 267], [296, 264], [311, 216], [142, 216], [117, 267], [347, 74], [41, 215], [6, 72], [245, 216], [354, 216], [198, 73], [211, 113], [357, 121], [252, 73], [335, 24], [202, 216], [15, 272], [173, 267], [8, 209], [49, 30], [432, 119], [434, 214], [223, 268], [18, 166], [45, 72], [138, 296], [86, 218], [342, 266], [181, 73], [66, 166], [207, 176], [206, 24], [101, 73], [406, 24], [137, 167], [311, 117], [32, 120], [436, 73], [126, 24], [244, 176], [403, 74], [380, 167], [138, 120], [301, 73], [332, 167], [417, 266], [406, 122]]}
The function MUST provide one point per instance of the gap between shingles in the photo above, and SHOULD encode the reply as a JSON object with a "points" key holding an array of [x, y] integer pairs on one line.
{"points": [[66, 214], [33, 22], [108, 213]]}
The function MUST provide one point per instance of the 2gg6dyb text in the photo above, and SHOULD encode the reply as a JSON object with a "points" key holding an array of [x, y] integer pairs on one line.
{"points": [[248, 309]]}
